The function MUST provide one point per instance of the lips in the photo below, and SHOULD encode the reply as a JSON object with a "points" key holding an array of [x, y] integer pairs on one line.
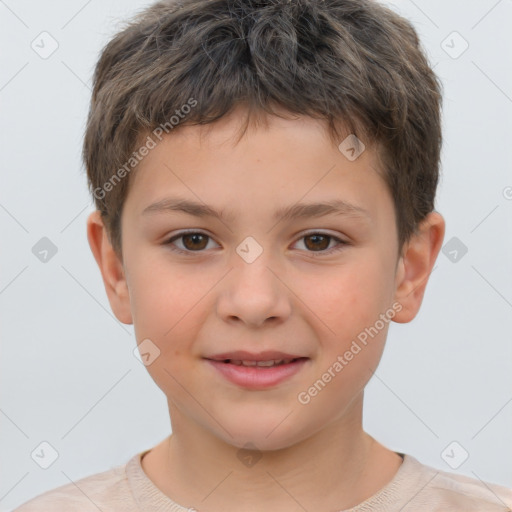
{"points": [[257, 370], [242, 355], [260, 364]]}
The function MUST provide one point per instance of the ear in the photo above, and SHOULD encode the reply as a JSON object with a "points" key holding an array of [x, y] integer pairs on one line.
{"points": [[111, 268], [415, 265]]}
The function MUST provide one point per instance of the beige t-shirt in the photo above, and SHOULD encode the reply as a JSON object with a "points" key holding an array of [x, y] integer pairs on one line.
{"points": [[415, 488]]}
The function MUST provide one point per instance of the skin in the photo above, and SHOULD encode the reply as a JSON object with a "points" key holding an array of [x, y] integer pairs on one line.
{"points": [[293, 297]]}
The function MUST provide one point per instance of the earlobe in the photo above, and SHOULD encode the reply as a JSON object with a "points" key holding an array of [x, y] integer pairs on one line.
{"points": [[111, 268], [416, 264]]}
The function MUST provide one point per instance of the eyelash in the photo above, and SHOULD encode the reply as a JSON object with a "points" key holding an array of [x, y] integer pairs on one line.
{"points": [[339, 247]]}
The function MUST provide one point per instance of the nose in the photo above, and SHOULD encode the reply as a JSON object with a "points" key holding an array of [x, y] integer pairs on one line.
{"points": [[254, 294]]}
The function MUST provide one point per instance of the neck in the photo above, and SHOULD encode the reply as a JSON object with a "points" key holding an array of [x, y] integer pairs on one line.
{"points": [[196, 468]]}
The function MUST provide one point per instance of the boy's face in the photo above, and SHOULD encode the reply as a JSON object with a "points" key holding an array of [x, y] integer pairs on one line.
{"points": [[300, 295]]}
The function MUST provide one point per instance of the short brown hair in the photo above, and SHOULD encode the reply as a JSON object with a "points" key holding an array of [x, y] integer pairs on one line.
{"points": [[354, 63]]}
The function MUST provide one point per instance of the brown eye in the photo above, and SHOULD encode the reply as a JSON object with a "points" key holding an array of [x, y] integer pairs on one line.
{"points": [[321, 243], [318, 242], [195, 241]]}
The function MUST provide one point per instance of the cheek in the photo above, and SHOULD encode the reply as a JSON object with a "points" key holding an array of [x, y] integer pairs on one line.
{"points": [[167, 310], [350, 297], [350, 303], [162, 294]]}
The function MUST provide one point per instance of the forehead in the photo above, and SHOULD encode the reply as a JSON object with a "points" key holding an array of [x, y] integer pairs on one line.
{"points": [[276, 162]]}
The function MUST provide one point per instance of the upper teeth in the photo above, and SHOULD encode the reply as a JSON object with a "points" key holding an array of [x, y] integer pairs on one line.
{"points": [[261, 363]]}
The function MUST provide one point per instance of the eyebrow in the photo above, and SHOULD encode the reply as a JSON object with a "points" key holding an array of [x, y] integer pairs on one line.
{"points": [[299, 210]]}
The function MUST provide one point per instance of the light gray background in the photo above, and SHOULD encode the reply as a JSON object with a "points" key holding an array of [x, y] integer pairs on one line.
{"points": [[68, 374]]}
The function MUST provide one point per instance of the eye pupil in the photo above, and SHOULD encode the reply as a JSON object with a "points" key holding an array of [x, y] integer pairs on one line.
{"points": [[322, 238], [195, 237]]}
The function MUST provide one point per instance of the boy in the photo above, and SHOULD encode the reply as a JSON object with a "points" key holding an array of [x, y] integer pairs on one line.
{"points": [[264, 175]]}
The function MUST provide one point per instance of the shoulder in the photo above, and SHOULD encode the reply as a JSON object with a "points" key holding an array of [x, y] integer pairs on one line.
{"points": [[108, 490], [439, 490]]}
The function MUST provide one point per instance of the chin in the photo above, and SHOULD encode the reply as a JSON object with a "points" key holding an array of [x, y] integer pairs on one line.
{"points": [[270, 435]]}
